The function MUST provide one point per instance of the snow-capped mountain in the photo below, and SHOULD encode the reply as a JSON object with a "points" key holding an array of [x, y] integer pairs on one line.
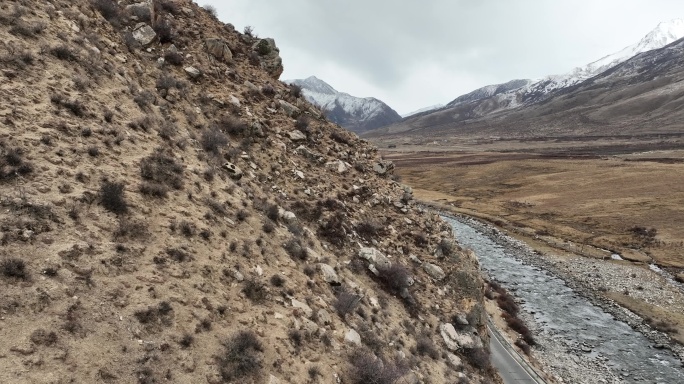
{"points": [[529, 107], [515, 93], [358, 114]]}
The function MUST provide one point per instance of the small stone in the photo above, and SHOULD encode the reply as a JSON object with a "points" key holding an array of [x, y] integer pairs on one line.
{"points": [[329, 274], [352, 337], [303, 306], [434, 271], [296, 135], [144, 34], [193, 72]]}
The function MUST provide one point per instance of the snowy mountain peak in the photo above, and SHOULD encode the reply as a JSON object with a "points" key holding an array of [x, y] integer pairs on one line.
{"points": [[665, 33], [357, 114], [314, 84]]}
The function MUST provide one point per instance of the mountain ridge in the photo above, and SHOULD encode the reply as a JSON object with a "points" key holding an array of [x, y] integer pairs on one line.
{"points": [[358, 114]]}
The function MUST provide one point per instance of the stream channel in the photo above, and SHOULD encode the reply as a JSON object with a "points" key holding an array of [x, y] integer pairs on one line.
{"points": [[578, 340]]}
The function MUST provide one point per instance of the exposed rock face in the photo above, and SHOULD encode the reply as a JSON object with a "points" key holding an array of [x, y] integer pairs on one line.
{"points": [[219, 49], [269, 57]]}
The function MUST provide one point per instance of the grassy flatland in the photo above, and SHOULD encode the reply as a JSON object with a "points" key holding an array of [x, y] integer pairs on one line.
{"points": [[584, 204]]}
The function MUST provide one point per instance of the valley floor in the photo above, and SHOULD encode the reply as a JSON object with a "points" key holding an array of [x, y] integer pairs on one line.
{"points": [[609, 223]]}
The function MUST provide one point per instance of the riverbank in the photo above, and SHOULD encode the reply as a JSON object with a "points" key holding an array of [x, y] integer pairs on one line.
{"points": [[566, 358]]}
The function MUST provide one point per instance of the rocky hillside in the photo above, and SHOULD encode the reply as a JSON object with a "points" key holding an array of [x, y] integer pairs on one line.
{"points": [[174, 213], [357, 114]]}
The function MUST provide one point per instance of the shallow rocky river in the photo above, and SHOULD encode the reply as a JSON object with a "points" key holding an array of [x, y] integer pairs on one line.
{"points": [[578, 341]]}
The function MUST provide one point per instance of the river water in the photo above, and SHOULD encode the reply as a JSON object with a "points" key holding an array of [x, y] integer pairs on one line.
{"points": [[567, 322]]}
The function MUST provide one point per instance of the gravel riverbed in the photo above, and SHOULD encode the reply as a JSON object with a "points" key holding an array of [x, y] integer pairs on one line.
{"points": [[593, 343]]}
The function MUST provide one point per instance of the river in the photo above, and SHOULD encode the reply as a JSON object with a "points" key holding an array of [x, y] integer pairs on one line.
{"points": [[578, 341]]}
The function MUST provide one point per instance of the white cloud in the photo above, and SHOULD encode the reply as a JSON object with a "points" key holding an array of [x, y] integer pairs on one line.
{"points": [[414, 54]]}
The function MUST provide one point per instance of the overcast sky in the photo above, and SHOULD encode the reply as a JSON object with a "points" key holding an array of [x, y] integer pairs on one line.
{"points": [[412, 54]]}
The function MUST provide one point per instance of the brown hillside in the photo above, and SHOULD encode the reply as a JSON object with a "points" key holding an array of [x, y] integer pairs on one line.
{"points": [[174, 213]]}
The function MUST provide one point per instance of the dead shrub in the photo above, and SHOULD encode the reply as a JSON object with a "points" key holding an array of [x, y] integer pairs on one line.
{"points": [[14, 268], [112, 197], [345, 302], [369, 229], [520, 343], [296, 249], [109, 9], [255, 291], [367, 368], [334, 229], [24, 29], [161, 314], [63, 52], [213, 140], [425, 347], [395, 277], [232, 126], [240, 357], [478, 357], [164, 31], [173, 58], [161, 169]]}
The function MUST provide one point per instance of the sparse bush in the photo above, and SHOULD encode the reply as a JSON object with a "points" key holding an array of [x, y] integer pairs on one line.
{"points": [[345, 302], [446, 247], [154, 189], [109, 9], [187, 228], [369, 229], [74, 106], [144, 99], [268, 90], [295, 90], [507, 303], [340, 137], [295, 249], [255, 291], [478, 357], [161, 169], [277, 280], [395, 277], [249, 31], [523, 346], [112, 197], [153, 315], [519, 326], [63, 52], [15, 268], [173, 58], [334, 230], [166, 82], [144, 123], [296, 337], [19, 59], [211, 10], [242, 215], [178, 255], [94, 151], [268, 227], [367, 368], [213, 140], [169, 6], [314, 371], [240, 357], [302, 123], [21, 28], [164, 31], [186, 341], [425, 347]]}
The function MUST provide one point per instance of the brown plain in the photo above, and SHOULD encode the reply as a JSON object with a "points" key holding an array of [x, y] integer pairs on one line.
{"points": [[591, 203]]}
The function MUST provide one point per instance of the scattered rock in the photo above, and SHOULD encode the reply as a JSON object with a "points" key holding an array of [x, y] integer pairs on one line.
{"points": [[233, 171], [289, 109], [434, 271], [374, 256], [352, 337], [383, 167], [193, 72], [303, 306], [144, 34], [454, 361], [296, 135], [329, 274], [219, 49]]}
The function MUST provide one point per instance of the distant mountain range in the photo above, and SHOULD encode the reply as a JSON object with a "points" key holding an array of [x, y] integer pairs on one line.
{"points": [[357, 114], [585, 90]]}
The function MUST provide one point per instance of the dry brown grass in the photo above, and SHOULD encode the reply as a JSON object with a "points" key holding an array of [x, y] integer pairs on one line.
{"points": [[593, 201]]}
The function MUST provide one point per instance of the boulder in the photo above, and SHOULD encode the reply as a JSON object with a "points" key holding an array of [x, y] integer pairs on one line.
{"points": [[193, 72], [329, 274], [338, 165], [289, 109], [269, 57], [233, 171], [218, 48], [296, 135], [454, 361], [144, 34], [383, 167], [434, 271], [352, 337], [456, 340], [303, 306], [375, 257]]}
